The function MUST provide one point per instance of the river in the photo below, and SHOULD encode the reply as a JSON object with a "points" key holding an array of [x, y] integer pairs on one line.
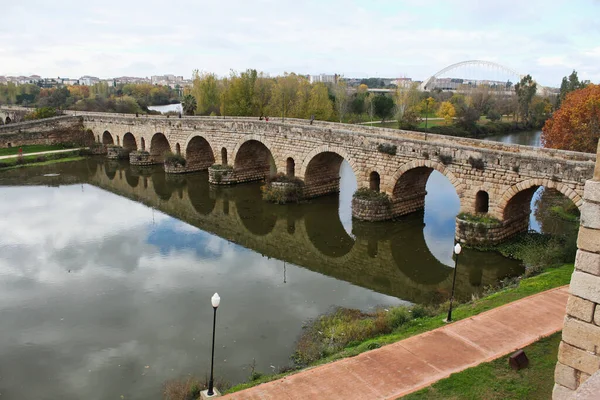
{"points": [[107, 272]]}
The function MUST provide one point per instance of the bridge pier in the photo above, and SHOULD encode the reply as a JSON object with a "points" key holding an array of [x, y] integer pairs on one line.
{"points": [[478, 232], [116, 152]]}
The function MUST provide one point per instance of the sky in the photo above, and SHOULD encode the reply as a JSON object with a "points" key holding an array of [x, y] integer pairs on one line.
{"points": [[385, 38]]}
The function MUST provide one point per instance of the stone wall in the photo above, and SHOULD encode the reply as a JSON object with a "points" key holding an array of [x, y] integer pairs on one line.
{"points": [[371, 210], [57, 130], [579, 351], [482, 233]]}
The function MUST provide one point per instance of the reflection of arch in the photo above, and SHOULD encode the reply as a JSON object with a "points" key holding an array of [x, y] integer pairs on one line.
{"points": [[516, 197], [428, 164], [161, 188], [482, 202], [374, 181], [110, 169], [325, 230], [410, 252], [290, 168], [253, 161], [129, 142], [132, 179], [198, 154], [255, 214], [198, 192], [107, 138], [118, 141], [224, 156], [159, 145]]}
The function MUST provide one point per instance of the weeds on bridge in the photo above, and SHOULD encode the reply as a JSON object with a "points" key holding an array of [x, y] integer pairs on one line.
{"points": [[387, 148]]}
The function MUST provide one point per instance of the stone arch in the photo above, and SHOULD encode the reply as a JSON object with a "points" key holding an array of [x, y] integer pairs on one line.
{"points": [[257, 138], [198, 154], [107, 138], [253, 161], [290, 167], [129, 142], [321, 170], [159, 146], [433, 165], [482, 202], [374, 181], [327, 149], [223, 156], [520, 194], [409, 185], [7, 120]]}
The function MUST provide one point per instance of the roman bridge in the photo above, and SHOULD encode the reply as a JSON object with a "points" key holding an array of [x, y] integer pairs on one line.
{"points": [[493, 179]]}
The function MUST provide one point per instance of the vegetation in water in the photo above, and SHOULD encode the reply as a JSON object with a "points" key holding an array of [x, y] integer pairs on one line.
{"points": [[373, 195], [478, 218], [174, 159]]}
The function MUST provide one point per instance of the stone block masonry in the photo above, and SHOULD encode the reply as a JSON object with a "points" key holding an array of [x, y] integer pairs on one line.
{"points": [[579, 351], [49, 131], [506, 178]]}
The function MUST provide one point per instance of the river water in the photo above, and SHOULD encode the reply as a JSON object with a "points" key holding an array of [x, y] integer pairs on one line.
{"points": [[107, 271]]}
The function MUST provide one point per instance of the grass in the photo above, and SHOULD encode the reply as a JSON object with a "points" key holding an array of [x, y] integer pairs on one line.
{"points": [[497, 381], [552, 278], [34, 148], [42, 163], [478, 218]]}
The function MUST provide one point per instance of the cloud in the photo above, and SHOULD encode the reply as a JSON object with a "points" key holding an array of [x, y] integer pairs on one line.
{"points": [[386, 38]]}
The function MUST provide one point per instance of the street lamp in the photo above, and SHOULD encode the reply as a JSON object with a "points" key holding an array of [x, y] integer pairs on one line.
{"points": [[215, 300], [457, 250]]}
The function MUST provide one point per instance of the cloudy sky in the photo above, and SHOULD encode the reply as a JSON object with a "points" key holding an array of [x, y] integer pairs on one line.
{"points": [[354, 38]]}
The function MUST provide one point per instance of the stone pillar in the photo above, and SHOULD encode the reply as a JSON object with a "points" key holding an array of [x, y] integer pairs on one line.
{"points": [[579, 351]]}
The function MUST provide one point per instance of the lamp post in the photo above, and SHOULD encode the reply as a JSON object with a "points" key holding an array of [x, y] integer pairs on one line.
{"points": [[457, 250], [215, 300]]}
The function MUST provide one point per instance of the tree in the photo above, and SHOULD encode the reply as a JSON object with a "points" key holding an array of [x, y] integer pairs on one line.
{"points": [[568, 85], [426, 106], [525, 91], [206, 90], [576, 125], [447, 112], [319, 104], [262, 94], [284, 94], [369, 106], [340, 91], [407, 100], [384, 106], [189, 104], [238, 97]]}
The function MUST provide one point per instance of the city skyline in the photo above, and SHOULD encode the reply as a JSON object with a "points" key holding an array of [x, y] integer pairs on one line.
{"points": [[353, 39]]}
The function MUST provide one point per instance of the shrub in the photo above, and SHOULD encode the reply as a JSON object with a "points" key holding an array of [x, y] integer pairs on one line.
{"points": [[426, 155], [174, 159], [278, 195], [281, 177], [398, 316], [387, 148], [368, 194], [493, 115], [445, 159], [222, 167], [478, 218], [477, 163], [515, 168]]}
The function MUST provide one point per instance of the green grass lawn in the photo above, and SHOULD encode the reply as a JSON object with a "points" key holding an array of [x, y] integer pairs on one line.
{"points": [[497, 381], [34, 148]]}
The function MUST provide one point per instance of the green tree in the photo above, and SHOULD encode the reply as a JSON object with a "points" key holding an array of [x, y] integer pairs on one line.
{"points": [[525, 91], [319, 103], [384, 106], [568, 85], [189, 104], [263, 87], [369, 105], [407, 101], [206, 90], [238, 97], [284, 94], [342, 99]]}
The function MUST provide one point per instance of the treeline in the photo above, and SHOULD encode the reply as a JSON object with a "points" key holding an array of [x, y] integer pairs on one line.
{"points": [[127, 98], [253, 94]]}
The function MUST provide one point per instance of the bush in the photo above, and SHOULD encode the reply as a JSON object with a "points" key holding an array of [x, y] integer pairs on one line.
{"points": [[477, 163], [222, 167], [281, 177], [174, 159], [493, 115], [387, 148], [445, 159], [278, 195], [478, 218], [368, 194]]}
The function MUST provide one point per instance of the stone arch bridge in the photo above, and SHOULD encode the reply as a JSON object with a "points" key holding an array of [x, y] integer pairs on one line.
{"points": [[492, 179]]}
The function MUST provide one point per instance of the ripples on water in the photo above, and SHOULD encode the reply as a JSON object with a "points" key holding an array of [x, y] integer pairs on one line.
{"points": [[106, 275]]}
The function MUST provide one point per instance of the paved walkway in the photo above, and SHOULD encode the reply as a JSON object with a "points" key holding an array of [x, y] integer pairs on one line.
{"points": [[414, 363], [40, 153]]}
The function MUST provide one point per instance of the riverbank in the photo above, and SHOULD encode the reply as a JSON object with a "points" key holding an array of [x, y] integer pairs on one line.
{"points": [[496, 380], [35, 148], [417, 323], [44, 158]]}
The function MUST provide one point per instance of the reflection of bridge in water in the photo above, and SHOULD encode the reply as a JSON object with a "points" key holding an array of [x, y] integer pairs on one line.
{"points": [[391, 259]]}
